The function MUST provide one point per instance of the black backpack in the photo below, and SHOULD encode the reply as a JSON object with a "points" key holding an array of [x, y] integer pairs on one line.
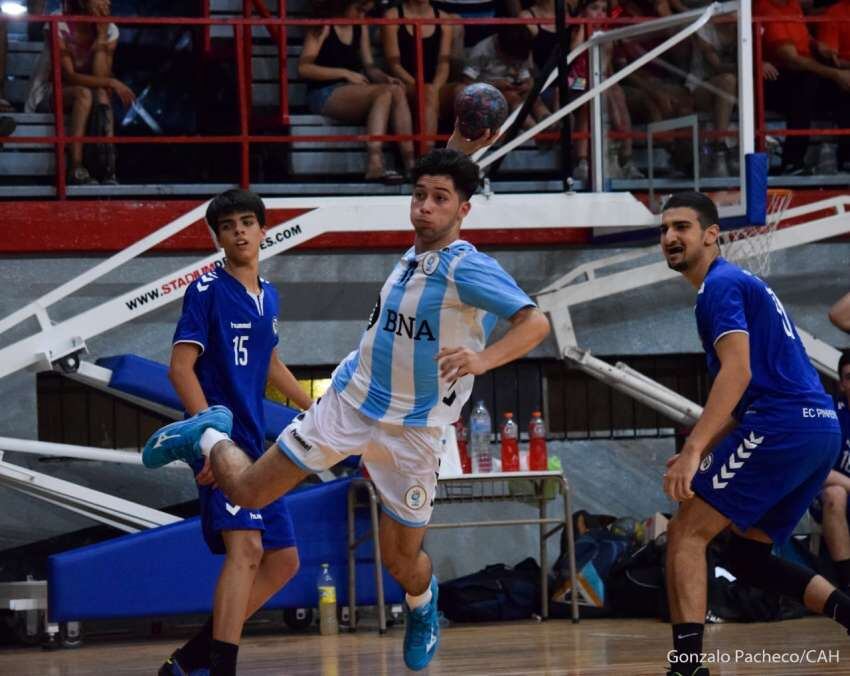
{"points": [[636, 585], [497, 592]]}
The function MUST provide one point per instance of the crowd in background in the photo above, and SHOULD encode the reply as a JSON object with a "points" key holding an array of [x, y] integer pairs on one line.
{"points": [[367, 77]]}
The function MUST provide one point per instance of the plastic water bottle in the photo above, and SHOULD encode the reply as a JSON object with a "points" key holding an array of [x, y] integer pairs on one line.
{"points": [[537, 457], [510, 444], [327, 602], [479, 439], [462, 435]]}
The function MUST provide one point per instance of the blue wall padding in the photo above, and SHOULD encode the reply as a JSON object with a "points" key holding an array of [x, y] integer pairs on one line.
{"points": [[149, 380], [169, 570], [756, 167]]}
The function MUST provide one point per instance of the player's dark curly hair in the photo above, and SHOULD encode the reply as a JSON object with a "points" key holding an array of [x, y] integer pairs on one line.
{"points": [[232, 202], [699, 202], [446, 162]]}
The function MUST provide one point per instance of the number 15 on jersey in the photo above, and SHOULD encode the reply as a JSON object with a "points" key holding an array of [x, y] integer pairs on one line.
{"points": [[240, 351]]}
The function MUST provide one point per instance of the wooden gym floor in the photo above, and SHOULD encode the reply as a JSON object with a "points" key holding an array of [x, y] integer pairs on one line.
{"points": [[593, 647]]}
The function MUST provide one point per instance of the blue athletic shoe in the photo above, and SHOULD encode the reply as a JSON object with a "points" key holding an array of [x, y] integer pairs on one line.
{"points": [[173, 668], [181, 440], [422, 632]]}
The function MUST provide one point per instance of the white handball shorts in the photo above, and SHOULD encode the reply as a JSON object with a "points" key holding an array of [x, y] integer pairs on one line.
{"points": [[403, 462]]}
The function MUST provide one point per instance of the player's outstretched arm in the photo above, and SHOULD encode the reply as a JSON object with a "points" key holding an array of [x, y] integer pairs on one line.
{"points": [[733, 351], [529, 327], [839, 314], [281, 377]]}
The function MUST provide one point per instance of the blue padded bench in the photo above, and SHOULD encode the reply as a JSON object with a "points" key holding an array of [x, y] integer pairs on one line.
{"points": [[169, 570]]}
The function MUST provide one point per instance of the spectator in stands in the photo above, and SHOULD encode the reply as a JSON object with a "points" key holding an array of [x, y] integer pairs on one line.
{"points": [[504, 61], [619, 157], [5, 106], [833, 45], [87, 54], [713, 81], [839, 314], [801, 79], [830, 507], [478, 9], [346, 85], [400, 52]]}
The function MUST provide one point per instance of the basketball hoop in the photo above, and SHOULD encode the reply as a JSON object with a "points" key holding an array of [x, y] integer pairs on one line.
{"points": [[752, 244]]}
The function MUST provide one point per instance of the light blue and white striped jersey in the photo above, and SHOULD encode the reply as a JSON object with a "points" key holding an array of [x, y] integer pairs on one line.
{"points": [[436, 299]]}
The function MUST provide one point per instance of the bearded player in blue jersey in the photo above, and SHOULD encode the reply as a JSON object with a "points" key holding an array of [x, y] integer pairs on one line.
{"points": [[411, 374], [758, 454], [223, 353]]}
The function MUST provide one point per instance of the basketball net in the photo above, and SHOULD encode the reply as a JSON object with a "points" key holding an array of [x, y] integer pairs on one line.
{"points": [[752, 244]]}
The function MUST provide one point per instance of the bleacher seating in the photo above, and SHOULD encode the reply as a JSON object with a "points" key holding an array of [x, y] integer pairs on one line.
{"points": [[29, 161]]}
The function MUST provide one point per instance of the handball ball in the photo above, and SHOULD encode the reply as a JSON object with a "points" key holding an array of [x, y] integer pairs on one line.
{"points": [[480, 107]]}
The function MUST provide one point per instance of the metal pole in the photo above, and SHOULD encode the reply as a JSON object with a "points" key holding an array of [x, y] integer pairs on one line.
{"points": [[352, 563], [564, 92], [379, 573], [544, 574], [571, 546], [58, 111], [420, 85]]}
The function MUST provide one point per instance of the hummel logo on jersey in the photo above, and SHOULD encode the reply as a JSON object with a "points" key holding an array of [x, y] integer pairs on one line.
{"points": [[736, 461], [162, 438], [399, 324], [450, 399], [233, 509], [205, 278], [240, 325]]}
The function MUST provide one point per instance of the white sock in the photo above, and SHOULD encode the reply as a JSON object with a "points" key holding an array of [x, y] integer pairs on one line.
{"points": [[414, 602], [210, 438]]}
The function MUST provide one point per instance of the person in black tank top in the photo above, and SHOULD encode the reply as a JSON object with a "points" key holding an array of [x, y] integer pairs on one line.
{"points": [[400, 51], [344, 83]]}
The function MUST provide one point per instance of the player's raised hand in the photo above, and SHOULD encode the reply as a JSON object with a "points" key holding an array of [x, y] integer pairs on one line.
{"points": [[681, 469], [456, 362], [468, 146], [206, 477]]}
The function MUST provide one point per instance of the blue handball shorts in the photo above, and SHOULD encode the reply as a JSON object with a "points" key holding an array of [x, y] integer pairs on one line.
{"points": [[766, 480], [218, 514]]}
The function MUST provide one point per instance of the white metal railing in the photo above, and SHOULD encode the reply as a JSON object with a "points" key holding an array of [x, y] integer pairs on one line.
{"points": [[693, 20]]}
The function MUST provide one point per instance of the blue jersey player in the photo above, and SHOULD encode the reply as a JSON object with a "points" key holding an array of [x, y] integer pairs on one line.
{"points": [[412, 372], [831, 507], [758, 454], [223, 354]]}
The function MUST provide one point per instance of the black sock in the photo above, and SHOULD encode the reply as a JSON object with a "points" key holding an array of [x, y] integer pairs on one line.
{"points": [[195, 654], [843, 570], [223, 658], [837, 607], [687, 644]]}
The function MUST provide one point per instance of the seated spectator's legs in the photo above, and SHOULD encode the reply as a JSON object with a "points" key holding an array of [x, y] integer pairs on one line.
{"points": [[79, 101], [835, 531], [402, 124], [373, 103], [105, 124], [432, 108], [791, 94], [621, 120], [836, 104], [720, 105]]}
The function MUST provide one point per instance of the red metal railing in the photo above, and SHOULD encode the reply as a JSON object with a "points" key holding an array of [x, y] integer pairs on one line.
{"points": [[242, 32]]}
